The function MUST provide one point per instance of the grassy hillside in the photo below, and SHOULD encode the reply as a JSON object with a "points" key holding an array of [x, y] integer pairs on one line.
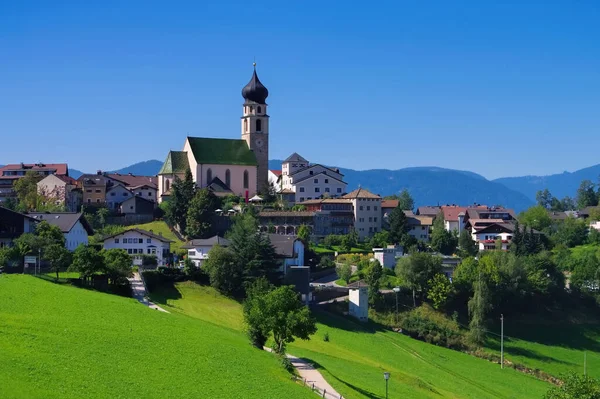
{"points": [[354, 359], [160, 227], [59, 341]]}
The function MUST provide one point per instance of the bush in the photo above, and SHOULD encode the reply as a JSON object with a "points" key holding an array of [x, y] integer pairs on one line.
{"points": [[162, 276], [326, 337], [326, 262], [426, 324]]}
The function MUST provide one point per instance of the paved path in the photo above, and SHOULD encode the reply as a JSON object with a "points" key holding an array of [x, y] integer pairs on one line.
{"points": [[139, 292], [310, 376]]}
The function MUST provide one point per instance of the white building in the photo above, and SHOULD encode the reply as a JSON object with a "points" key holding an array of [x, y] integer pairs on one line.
{"points": [[310, 181], [419, 226], [74, 226], [138, 242], [387, 256], [367, 212], [198, 249], [63, 190], [359, 303]]}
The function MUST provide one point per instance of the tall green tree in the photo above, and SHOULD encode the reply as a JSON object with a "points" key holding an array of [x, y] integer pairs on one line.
{"points": [[467, 246], [304, 233], [398, 225], [254, 307], [200, 214], [442, 240], [182, 193], [51, 233], [405, 201], [568, 204], [439, 290], [350, 241], [117, 264], [536, 217], [417, 269], [544, 198], [281, 313], [344, 271], [479, 306], [87, 261], [586, 195], [380, 239], [226, 275], [373, 276], [27, 191], [59, 257], [571, 232]]}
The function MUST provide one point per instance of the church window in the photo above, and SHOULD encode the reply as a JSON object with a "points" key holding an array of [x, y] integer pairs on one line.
{"points": [[251, 109], [258, 125], [245, 125], [167, 185], [259, 109], [228, 178], [246, 184], [208, 176]]}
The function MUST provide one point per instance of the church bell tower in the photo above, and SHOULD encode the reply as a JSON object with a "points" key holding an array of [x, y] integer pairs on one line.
{"points": [[255, 126]]}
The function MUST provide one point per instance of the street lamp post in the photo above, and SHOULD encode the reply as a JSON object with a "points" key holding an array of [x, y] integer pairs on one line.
{"points": [[386, 375], [396, 290]]}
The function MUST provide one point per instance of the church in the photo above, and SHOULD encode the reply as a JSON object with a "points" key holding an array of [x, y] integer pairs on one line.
{"points": [[226, 166]]}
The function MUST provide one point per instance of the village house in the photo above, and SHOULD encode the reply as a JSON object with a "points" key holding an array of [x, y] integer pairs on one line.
{"points": [[13, 225], [367, 212], [197, 250], [289, 251], [74, 226], [138, 242], [419, 226], [13, 172], [62, 190]]}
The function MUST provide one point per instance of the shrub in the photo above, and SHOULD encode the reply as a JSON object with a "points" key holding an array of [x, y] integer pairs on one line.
{"points": [[426, 324], [326, 262], [326, 337], [162, 276]]}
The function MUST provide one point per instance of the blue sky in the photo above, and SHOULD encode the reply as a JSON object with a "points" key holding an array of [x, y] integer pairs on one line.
{"points": [[498, 89]]}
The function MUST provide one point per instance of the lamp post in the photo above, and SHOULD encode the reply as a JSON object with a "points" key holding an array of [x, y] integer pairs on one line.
{"points": [[386, 376], [396, 290]]}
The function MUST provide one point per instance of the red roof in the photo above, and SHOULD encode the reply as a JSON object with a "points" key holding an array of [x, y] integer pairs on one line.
{"points": [[68, 180], [389, 203], [57, 168], [451, 211], [276, 172], [135, 181]]}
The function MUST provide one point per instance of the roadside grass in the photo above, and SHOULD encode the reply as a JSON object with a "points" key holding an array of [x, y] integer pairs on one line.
{"points": [[320, 249], [341, 282], [354, 359], [160, 227], [59, 341]]}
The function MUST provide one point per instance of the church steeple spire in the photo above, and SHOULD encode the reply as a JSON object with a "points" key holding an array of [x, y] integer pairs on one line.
{"points": [[255, 91]]}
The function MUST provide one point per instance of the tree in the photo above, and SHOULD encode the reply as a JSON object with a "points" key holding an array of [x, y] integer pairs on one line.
{"points": [[304, 233], [344, 271], [536, 217], [254, 306], [575, 386], [405, 201], [101, 215], [58, 256], [226, 275], [350, 241], [398, 225], [467, 246], [479, 305], [439, 289], [30, 243], [417, 269], [117, 264], [571, 232], [27, 191], [373, 276], [442, 240], [50, 233], [586, 195], [380, 239], [568, 204], [189, 267], [280, 312], [544, 198], [200, 214], [8, 255], [87, 261], [182, 193]]}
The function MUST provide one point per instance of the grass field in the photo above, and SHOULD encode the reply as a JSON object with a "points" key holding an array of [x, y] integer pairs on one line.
{"points": [[160, 227], [354, 359], [323, 250], [58, 341]]}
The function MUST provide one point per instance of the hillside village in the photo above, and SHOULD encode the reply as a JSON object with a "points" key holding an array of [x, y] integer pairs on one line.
{"points": [[216, 217]]}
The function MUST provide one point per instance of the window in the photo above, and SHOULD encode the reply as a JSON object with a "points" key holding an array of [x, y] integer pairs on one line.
{"points": [[228, 178], [326, 180], [98, 190], [89, 200], [259, 125], [131, 207], [98, 200], [368, 208], [245, 125], [375, 219], [148, 240], [339, 190], [259, 109], [251, 109], [140, 240], [191, 252], [310, 173], [301, 199], [246, 178], [301, 189], [129, 251], [370, 219], [149, 194], [89, 190], [148, 251], [116, 240], [316, 181], [326, 189], [167, 185], [112, 194], [374, 208], [124, 194], [317, 190], [209, 176], [360, 208]]}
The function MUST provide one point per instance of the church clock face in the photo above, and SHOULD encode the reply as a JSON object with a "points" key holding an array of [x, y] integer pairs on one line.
{"points": [[259, 143]]}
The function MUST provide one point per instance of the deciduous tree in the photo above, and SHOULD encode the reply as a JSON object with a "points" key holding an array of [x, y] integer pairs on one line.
{"points": [[544, 198], [479, 306], [304, 233], [117, 264], [417, 269], [344, 271], [225, 273], [59, 257], [182, 193], [200, 214], [439, 289], [87, 261], [575, 386], [586, 195], [373, 276]]}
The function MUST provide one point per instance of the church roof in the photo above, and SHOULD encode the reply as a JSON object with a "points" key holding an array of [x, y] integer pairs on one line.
{"points": [[295, 157], [255, 90], [176, 162], [219, 188], [221, 151]]}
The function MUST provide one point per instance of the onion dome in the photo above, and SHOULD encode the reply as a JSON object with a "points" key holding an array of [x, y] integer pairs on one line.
{"points": [[255, 91]]}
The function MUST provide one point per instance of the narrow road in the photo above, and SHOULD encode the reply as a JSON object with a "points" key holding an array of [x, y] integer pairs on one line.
{"points": [[311, 377], [139, 292]]}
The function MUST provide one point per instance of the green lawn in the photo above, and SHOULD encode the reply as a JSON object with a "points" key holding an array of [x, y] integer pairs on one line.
{"points": [[59, 341], [354, 359], [323, 250], [160, 227]]}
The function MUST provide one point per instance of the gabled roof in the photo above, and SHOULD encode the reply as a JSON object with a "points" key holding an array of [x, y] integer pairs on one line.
{"points": [[207, 242], [284, 245], [428, 210], [295, 157], [276, 172], [57, 168], [314, 165], [318, 174], [65, 221], [130, 180], [142, 232], [218, 187], [451, 212], [326, 201], [222, 151], [176, 162], [361, 193], [15, 213], [420, 220], [389, 203]]}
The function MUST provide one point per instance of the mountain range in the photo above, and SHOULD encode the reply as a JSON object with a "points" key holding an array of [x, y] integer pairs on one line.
{"points": [[433, 185]]}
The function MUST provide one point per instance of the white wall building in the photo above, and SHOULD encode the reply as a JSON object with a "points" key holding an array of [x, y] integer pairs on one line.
{"points": [[359, 303], [198, 249], [387, 256], [74, 226], [367, 212], [138, 242], [419, 227]]}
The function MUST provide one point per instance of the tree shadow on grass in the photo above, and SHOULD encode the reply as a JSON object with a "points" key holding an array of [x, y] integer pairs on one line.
{"points": [[164, 292], [528, 353]]}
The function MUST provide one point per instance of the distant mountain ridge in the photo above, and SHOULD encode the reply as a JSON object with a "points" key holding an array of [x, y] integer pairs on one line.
{"points": [[145, 168], [560, 184]]}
